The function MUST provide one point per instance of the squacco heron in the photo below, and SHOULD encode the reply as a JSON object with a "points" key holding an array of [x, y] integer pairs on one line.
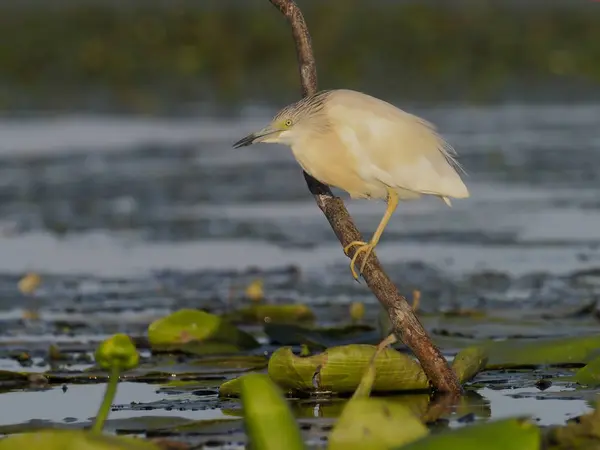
{"points": [[368, 148]]}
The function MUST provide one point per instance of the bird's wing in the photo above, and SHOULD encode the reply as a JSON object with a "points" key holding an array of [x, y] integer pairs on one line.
{"points": [[397, 148]]}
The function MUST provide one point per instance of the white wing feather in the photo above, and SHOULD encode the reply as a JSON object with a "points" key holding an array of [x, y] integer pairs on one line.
{"points": [[394, 147]]}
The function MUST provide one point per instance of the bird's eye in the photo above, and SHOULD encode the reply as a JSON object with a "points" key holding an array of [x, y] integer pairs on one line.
{"points": [[288, 123]]}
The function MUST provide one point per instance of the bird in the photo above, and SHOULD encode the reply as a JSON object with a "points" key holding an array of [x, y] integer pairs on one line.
{"points": [[369, 148]]}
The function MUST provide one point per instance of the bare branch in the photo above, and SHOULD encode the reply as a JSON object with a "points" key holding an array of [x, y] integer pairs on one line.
{"points": [[406, 325]]}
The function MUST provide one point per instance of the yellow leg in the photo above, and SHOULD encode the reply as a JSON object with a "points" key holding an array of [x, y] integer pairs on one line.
{"points": [[392, 203]]}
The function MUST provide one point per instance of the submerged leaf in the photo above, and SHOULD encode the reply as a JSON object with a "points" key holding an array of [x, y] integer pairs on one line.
{"points": [[269, 421], [73, 440], [188, 327], [340, 369], [375, 424], [508, 434]]}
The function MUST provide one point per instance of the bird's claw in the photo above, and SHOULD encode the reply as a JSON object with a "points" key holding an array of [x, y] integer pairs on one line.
{"points": [[363, 247]]}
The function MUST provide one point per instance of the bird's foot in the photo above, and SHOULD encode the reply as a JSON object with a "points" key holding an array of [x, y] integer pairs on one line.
{"points": [[363, 247]]}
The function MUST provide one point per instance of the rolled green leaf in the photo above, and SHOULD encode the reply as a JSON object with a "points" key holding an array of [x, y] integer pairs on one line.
{"points": [[508, 434], [375, 424], [469, 362], [73, 440], [340, 369], [269, 421], [187, 326]]}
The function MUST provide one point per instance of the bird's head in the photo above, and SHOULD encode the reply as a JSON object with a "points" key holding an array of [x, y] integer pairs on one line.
{"points": [[291, 123]]}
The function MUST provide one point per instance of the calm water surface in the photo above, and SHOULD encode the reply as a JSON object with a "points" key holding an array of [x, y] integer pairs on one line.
{"points": [[111, 210]]}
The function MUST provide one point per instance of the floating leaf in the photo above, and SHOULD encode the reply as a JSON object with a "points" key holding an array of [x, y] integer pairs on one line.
{"points": [[375, 424], [340, 369], [260, 313], [508, 434], [189, 327], [73, 440], [589, 375], [269, 422], [527, 353]]}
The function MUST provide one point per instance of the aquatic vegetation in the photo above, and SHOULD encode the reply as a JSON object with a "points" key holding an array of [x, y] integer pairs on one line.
{"points": [[146, 58]]}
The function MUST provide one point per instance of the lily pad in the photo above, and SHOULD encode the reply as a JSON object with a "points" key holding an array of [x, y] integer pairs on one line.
{"points": [[73, 440], [508, 434], [527, 353], [269, 421], [589, 375], [262, 313], [190, 326]]}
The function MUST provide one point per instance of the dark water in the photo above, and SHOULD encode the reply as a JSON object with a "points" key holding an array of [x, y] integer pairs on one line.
{"points": [[127, 219]]}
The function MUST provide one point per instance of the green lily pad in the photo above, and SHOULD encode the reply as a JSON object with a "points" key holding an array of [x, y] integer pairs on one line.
{"points": [[189, 326], [340, 369], [262, 313], [589, 375], [508, 434], [269, 421], [375, 424], [527, 353], [73, 440]]}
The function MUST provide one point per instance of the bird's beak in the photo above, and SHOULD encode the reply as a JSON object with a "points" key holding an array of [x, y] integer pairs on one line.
{"points": [[255, 137]]}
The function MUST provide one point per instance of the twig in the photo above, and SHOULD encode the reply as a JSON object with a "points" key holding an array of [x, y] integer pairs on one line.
{"points": [[405, 324]]}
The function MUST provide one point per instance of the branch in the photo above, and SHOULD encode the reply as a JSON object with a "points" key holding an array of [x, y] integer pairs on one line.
{"points": [[406, 325]]}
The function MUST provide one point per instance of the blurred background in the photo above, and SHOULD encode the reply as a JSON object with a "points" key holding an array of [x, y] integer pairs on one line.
{"points": [[117, 119]]}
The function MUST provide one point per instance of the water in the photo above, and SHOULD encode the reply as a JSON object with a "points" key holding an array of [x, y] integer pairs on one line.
{"points": [[127, 219]]}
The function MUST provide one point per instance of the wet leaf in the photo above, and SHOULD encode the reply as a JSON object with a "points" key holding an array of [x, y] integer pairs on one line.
{"points": [[73, 440], [340, 369], [589, 375], [373, 424], [508, 434], [468, 362], [321, 338], [190, 326], [269, 421], [527, 353], [261, 313]]}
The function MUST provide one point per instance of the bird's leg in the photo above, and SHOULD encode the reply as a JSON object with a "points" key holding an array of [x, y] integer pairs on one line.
{"points": [[392, 203]]}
